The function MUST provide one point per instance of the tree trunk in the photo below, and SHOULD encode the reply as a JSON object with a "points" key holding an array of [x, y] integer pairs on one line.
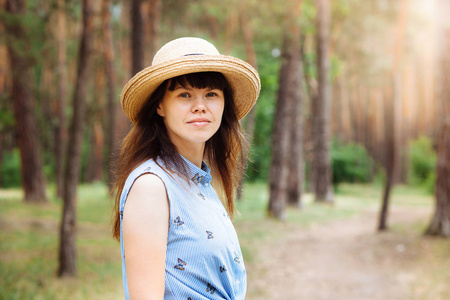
{"points": [[151, 18], [67, 251], [284, 116], [33, 180], [137, 37], [295, 181], [440, 224], [111, 142], [393, 111], [61, 131], [388, 160], [94, 168], [322, 162]]}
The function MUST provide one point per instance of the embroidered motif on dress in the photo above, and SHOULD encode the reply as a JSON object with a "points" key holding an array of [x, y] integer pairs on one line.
{"points": [[210, 289], [178, 221], [180, 265]]}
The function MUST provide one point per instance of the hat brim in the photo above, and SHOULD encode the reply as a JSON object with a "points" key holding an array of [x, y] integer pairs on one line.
{"points": [[241, 76]]}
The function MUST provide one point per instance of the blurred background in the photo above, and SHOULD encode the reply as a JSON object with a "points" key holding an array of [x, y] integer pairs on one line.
{"points": [[346, 193]]}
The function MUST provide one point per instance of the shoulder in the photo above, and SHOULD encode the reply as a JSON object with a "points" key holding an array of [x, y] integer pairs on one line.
{"points": [[147, 203], [146, 187]]}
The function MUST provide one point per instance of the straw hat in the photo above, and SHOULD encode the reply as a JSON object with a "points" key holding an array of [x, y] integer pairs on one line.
{"points": [[191, 55]]}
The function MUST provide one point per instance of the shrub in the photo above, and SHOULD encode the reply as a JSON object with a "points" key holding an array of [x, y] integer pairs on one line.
{"points": [[422, 163], [10, 171], [351, 163]]}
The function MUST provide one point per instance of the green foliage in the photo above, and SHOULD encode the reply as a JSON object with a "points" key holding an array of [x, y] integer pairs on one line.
{"points": [[10, 171], [265, 110], [422, 163], [351, 163]]}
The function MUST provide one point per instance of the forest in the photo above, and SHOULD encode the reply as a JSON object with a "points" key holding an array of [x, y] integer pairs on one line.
{"points": [[347, 181]]}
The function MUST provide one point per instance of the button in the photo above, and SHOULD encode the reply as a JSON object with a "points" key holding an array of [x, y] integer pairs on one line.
{"points": [[206, 184]]}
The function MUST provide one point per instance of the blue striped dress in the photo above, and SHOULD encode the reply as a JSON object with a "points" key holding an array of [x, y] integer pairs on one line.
{"points": [[203, 258]]}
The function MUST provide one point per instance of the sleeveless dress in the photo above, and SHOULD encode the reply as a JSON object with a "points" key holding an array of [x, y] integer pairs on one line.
{"points": [[203, 258]]}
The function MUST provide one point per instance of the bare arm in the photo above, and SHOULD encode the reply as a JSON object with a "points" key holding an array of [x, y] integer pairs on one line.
{"points": [[145, 229]]}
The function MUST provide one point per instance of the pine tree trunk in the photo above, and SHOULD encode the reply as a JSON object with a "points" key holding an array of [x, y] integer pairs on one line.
{"points": [[288, 93], [67, 250], [111, 142], [322, 161], [389, 159], [61, 131], [137, 37], [151, 19], [33, 181], [393, 111], [440, 224], [279, 169], [295, 181]]}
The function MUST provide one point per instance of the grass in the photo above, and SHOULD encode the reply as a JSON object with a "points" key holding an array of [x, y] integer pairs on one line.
{"points": [[29, 249], [29, 238]]}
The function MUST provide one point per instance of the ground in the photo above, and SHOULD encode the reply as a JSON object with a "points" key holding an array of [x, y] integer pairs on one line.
{"points": [[346, 260], [319, 252]]}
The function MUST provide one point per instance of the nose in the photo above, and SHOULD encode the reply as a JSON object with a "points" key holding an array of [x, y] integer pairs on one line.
{"points": [[199, 105]]}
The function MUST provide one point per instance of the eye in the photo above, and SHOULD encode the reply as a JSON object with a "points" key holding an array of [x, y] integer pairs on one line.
{"points": [[184, 95], [211, 94]]}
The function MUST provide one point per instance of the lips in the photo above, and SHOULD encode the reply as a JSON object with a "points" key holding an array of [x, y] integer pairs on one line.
{"points": [[199, 122]]}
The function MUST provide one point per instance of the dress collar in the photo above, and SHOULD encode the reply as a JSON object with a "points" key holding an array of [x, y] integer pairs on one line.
{"points": [[198, 175]]}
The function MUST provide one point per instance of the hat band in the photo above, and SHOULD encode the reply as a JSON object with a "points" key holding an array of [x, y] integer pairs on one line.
{"points": [[193, 54]]}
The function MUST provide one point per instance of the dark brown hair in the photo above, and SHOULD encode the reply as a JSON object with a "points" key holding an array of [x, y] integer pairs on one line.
{"points": [[149, 139]]}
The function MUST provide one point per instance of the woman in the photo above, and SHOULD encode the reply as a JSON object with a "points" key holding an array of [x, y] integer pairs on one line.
{"points": [[177, 239]]}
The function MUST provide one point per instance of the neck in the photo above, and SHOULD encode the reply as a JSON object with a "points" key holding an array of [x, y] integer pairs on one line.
{"points": [[193, 153]]}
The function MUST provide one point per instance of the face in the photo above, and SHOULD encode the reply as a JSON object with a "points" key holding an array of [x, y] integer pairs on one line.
{"points": [[192, 116]]}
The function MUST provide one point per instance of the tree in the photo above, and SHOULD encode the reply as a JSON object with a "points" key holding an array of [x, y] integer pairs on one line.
{"points": [[60, 130], [440, 224], [321, 118], [137, 36], [295, 182], [111, 141], [67, 253], [288, 94], [151, 23], [33, 180], [393, 106]]}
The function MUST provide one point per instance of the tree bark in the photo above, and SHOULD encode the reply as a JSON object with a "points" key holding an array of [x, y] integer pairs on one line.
{"points": [[440, 224], [33, 181], [322, 161], [108, 54], [137, 37], [60, 130], [284, 116], [67, 249], [389, 159], [392, 133], [295, 181], [151, 21]]}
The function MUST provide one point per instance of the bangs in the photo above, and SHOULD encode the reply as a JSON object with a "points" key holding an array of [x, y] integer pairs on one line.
{"points": [[201, 80]]}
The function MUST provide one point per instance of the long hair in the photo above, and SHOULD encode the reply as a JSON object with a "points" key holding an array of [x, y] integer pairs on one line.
{"points": [[149, 139]]}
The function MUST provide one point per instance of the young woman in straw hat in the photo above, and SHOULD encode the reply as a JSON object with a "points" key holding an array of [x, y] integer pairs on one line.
{"points": [[180, 159]]}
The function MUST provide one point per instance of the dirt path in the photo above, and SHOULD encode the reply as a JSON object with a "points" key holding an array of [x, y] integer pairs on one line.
{"points": [[344, 259]]}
